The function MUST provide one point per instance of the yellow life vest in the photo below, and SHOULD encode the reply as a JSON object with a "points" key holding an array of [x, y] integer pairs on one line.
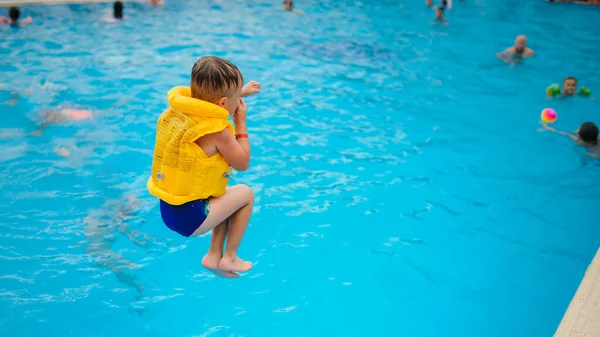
{"points": [[181, 171]]}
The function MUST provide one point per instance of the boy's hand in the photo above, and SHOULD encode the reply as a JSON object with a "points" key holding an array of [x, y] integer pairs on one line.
{"points": [[239, 116], [546, 126], [251, 88]]}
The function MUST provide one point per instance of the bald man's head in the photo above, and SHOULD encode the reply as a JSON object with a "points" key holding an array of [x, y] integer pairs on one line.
{"points": [[520, 44]]}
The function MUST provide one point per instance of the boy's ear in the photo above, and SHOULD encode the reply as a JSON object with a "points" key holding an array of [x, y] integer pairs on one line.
{"points": [[221, 102]]}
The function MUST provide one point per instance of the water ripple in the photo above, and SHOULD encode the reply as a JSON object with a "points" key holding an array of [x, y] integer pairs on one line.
{"points": [[389, 166]]}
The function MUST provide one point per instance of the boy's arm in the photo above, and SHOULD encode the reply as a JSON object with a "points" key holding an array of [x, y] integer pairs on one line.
{"points": [[251, 88], [236, 151], [549, 128]]}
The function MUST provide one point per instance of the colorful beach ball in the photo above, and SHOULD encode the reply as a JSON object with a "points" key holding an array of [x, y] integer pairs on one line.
{"points": [[548, 115]]}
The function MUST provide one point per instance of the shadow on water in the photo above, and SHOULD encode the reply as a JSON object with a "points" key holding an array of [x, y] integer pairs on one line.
{"points": [[102, 229]]}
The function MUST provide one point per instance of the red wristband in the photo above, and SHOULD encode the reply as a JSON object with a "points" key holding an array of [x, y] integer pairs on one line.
{"points": [[241, 135]]}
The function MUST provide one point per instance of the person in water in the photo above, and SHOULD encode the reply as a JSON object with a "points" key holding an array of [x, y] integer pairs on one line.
{"points": [[586, 136], [429, 3], [101, 229], [195, 151], [13, 18], [520, 49], [118, 10], [49, 118], [569, 88], [439, 14], [288, 6], [117, 15]]}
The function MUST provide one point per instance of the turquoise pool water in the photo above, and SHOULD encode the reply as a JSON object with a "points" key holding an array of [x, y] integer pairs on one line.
{"points": [[403, 186]]}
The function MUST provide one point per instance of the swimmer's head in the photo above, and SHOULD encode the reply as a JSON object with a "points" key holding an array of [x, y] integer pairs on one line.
{"points": [[439, 13], [520, 44], [428, 3], [118, 10], [217, 81], [288, 5], [588, 133], [14, 13], [569, 85]]}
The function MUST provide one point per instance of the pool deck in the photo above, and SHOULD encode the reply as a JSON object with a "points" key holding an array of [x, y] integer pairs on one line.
{"points": [[8, 3], [582, 318]]}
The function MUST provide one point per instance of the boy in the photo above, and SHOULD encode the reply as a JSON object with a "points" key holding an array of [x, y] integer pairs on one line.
{"points": [[568, 89], [196, 147], [586, 135], [569, 86]]}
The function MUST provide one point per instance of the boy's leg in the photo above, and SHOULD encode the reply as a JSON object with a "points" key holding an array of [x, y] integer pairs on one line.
{"points": [[215, 252], [236, 203], [217, 242], [239, 223]]}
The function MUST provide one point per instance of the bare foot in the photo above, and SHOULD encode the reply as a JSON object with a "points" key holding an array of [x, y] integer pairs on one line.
{"points": [[235, 264], [211, 262]]}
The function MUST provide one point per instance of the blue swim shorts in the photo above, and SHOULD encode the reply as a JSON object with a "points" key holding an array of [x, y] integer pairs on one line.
{"points": [[184, 219]]}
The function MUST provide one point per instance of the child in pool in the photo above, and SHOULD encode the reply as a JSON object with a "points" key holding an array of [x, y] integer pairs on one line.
{"points": [[193, 156], [586, 136], [569, 88]]}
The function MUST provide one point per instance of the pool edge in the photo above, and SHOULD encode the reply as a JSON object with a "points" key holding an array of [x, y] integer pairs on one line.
{"points": [[582, 317]]}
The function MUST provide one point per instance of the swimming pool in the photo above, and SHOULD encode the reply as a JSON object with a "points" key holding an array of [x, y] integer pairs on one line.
{"points": [[403, 187]]}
